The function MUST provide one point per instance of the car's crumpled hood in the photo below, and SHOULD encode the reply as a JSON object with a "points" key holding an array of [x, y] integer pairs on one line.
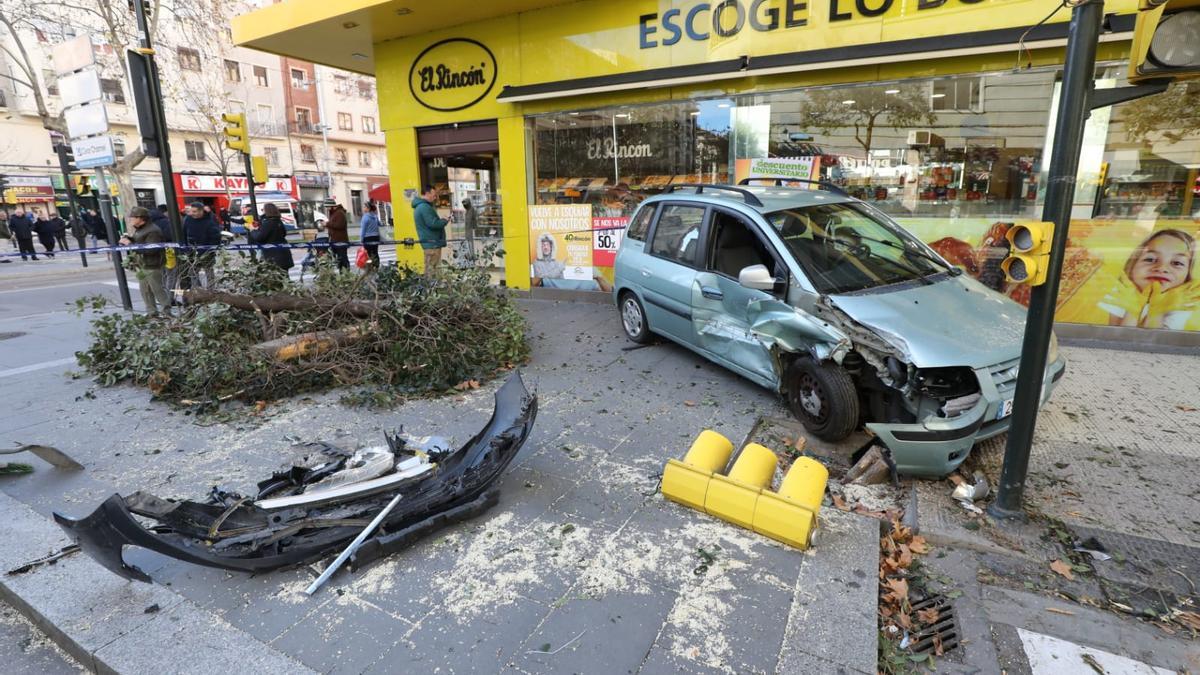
{"points": [[956, 321]]}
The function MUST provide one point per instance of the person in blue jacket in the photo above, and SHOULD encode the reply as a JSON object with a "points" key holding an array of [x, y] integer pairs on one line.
{"points": [[369, 231], [200, 228]]}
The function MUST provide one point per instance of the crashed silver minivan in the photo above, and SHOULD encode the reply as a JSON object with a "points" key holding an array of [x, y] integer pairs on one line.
{"points": [[825, 299]]}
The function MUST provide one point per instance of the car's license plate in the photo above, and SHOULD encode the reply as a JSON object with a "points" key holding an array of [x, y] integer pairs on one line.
{"points": [[1005, 409]]}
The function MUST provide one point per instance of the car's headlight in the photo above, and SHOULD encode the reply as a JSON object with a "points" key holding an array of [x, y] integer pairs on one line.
{"points": [[1052, 353]]}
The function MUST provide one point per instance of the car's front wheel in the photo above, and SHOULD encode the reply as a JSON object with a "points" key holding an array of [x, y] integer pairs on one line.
{"points": [[823, 397], [633, 318]]}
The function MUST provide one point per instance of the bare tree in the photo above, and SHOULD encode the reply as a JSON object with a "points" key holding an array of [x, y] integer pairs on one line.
{"points": [[866, 109]]}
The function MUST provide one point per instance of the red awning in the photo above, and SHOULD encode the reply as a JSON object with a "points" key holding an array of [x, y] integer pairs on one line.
{"points": [[380, 193]]}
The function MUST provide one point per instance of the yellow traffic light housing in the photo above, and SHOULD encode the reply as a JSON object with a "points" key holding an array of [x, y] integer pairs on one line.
{"points": [[1029, 252], [258, 169], [1166, 41], [235, 133]]}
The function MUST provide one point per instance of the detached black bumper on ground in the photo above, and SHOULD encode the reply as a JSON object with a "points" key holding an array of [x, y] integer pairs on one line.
{"points": [[295, 519]]}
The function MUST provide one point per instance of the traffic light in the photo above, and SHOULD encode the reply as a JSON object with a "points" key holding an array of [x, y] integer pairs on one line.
{"points": [[1166, 41], [1029, 252], [235, 133], [66, 158], [258, 169]]}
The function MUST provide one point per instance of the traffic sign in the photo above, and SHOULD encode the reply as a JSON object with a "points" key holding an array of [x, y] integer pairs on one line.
{"points": [[88, 120], [79, 88], [73, 55], [93, 152]]}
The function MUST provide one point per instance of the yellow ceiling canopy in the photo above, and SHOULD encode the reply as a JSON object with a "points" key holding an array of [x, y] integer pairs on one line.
{"points": [[342, 33]]}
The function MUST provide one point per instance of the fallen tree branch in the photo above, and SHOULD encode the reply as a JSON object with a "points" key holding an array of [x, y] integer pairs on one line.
{"points": [[280, 302], [291, 347]]}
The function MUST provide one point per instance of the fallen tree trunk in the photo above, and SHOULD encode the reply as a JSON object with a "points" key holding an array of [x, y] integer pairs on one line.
{"points": [[280, 302], [290, 347]]}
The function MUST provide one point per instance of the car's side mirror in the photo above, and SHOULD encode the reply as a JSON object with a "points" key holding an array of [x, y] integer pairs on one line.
{"points": [[757, 277]]}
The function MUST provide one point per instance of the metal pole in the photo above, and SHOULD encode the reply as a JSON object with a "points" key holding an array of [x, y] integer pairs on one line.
{"points": [[64, 166], [1073, 107], [110, 227], [160, 124], [253, 199]]}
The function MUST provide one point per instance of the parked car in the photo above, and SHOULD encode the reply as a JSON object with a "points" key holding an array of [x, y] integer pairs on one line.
{"points": [[829, 302], [286, 212]]}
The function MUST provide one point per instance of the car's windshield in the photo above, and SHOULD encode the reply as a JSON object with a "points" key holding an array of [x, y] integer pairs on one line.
{"points": [[845, 247]]}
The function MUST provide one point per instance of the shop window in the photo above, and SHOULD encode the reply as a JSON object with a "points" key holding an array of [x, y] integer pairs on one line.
{"points": [[233, 71], [194, 150], [271, 153], [189, 59], [677, 234], [963, 94], [345, 121], [112, 91], [260, 76], [364, 158], [307, 154], [368, 125], [640, 225]]}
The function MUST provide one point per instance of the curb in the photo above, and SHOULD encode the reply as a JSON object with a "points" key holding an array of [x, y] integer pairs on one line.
{"points": [[110, 625]]}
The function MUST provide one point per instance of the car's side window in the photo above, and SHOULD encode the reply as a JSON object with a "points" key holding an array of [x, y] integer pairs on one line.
{"points": [[735, 246], [640, 225], [677, 234]]}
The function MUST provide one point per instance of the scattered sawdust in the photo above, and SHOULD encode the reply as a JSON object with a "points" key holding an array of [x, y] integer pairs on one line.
{"points": [[37, 641], [881, 497]]}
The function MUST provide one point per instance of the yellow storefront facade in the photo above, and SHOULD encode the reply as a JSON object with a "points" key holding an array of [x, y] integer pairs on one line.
{"points": [[542, 125]]}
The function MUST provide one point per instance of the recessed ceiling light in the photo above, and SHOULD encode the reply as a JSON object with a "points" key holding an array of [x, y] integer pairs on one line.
{"points": [[401, 11], [891, 91], [360, 56], [349, 24], [938, 96]]}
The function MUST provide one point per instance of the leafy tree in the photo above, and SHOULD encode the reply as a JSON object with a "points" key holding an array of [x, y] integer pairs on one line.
{"points": [[865, 109], [1174, 114]]}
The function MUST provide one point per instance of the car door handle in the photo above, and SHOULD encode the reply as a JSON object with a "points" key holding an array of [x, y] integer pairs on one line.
{"points": [[712, 293], [645, 272]]}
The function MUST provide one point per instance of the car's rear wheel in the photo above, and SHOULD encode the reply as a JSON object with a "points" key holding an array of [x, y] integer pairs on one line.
{"points": [[633, 318], [823, 397]]}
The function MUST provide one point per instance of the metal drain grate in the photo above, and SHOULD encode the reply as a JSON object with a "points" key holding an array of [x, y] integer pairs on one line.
{"points": [[945, 629], [10, 335]]}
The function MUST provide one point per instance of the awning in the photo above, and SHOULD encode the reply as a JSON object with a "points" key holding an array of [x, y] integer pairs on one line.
{"points": [[380, 193]]}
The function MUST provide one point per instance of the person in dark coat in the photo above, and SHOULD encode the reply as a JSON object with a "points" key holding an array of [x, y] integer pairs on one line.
{"points": [[21, 225], [45, 232], [170, 275], [270, 230], [59, 226], [79, 231], [200, 228], [148, 262], [162, 221], [95, 226], [339, 234]]}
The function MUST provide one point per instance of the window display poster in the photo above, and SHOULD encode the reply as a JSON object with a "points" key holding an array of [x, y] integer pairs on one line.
{"points": [[560, 237], [1137, 272], [799, 168], [606, 239]]}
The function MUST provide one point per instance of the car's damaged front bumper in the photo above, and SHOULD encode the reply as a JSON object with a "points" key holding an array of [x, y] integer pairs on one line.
{"points": [[937, 445], [307, 513]]}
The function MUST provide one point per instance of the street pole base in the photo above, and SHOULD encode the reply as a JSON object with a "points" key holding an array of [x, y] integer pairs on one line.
{"points": [[999, 513]]}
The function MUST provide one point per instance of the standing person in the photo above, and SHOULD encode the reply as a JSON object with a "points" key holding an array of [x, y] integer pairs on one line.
{"points": [[270, 230], [431, 230], [149, 262], [162, 221], [59, 227], [95, 227], [45, 232], [339, 233], [22, 229], [79, 231], [369, 231], [200, 229], [5, 233]]}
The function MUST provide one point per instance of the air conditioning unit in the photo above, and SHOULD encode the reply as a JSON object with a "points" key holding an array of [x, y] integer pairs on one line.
{"points": [[918, 137]]}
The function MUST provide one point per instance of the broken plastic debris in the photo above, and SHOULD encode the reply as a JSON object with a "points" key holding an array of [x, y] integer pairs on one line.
{"points": [[1094, 548], [972, 492]]}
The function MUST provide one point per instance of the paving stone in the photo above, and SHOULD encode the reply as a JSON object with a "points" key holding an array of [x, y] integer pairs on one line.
{"points": [[345, 635], [615, 634], [25, 650]]}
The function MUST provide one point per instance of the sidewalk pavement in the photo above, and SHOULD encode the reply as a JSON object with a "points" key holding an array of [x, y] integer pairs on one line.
{"points": [[582, 558]]}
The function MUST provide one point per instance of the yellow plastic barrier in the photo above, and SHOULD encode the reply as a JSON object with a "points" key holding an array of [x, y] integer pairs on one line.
{"points": [[743, 497], [790, 516], [733, 497], [687, 482]]}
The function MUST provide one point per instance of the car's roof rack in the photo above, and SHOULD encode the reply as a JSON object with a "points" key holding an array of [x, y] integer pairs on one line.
{"points": [[747, 195], [780, 180]]}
